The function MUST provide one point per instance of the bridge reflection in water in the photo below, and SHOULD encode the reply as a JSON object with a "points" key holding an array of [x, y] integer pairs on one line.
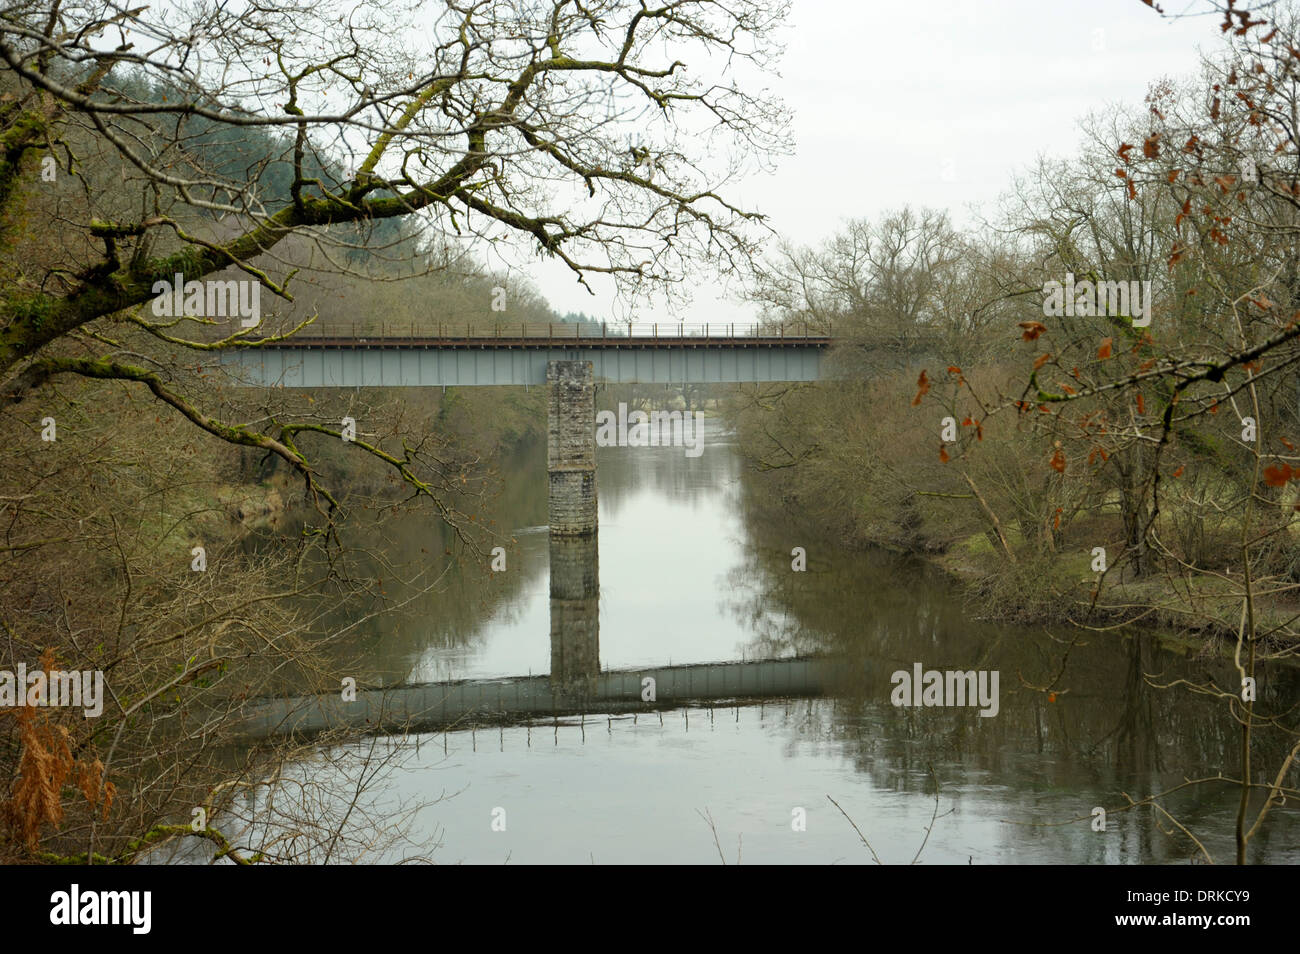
{"points": [[575, 686]]}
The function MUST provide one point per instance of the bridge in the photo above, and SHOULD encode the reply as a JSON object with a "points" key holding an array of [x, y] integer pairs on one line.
{"points": [[518, 355], [569, 357]]}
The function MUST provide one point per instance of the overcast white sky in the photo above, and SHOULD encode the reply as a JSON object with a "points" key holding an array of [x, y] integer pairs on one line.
{"points": [[934, 103]]}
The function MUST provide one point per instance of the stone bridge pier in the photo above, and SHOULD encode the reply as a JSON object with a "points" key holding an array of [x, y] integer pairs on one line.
{"points": [[571, 448]]}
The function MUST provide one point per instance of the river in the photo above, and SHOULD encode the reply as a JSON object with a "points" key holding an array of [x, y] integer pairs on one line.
{"points": [[689, 573]]}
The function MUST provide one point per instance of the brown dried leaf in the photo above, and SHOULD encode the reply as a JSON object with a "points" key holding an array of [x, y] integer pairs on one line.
{"points": [[922, 386], [1032, 330]]}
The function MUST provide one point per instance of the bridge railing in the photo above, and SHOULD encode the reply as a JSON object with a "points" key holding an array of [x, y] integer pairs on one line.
{"points": [[559, 331]]}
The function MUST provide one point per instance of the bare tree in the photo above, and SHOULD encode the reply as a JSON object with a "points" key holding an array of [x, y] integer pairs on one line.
{"points": [[485, 120], [279, 145]]}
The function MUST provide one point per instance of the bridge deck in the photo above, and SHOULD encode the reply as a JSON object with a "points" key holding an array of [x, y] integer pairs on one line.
{"points": [[538, 342], [518, 355]]}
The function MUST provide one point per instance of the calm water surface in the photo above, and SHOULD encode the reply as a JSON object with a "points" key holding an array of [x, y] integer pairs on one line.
{"points": [[687, 575]]}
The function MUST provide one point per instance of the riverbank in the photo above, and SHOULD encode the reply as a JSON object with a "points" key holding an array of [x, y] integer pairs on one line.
{"points": [[1031, 534], [1187, 608]]}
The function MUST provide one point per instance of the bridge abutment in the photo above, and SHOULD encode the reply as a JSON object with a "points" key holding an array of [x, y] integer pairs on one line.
{"points": [[571, 447]]}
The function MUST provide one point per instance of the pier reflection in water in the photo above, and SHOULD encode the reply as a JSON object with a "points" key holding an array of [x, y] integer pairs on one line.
{"points": [[575, 618]]}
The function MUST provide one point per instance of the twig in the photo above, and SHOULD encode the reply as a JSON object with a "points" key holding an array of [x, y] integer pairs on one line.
{"points": [[858, 830], [933, 816], [709, 818]]}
